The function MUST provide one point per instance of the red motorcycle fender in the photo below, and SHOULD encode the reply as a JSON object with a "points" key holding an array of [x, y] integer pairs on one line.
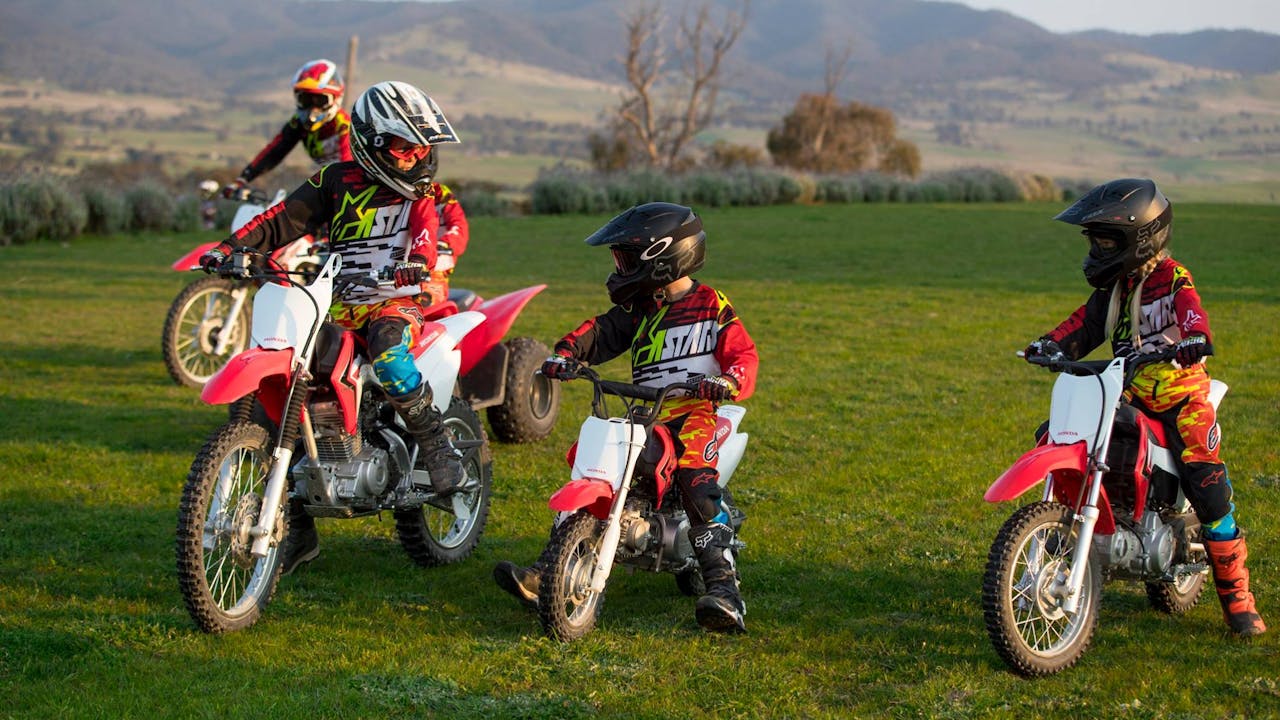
{"points": [[191, 260], [594, 495], [499, 314], [244, 373], [344, 380], [1031, 469]]}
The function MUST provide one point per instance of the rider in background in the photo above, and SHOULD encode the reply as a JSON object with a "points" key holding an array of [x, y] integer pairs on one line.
{"points": [[452, 239], [319, 123], [381, 210], [675, 329], [1146, 302]]}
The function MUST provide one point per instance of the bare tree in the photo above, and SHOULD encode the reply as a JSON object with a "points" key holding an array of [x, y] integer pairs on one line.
{"points": [[659, 114]]}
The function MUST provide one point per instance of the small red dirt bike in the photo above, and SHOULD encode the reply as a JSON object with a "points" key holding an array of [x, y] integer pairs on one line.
{"points": [[208, 322], [339, 444], [620, 505], [1112, 507]]}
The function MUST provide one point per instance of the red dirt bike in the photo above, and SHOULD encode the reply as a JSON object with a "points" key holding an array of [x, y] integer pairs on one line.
{"points": [[208, 322], [620, 505], [338, 444], [1112, 507]]}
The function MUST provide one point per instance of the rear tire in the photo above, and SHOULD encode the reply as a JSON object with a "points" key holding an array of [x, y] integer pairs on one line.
{"points": [[1028, 628], [224, 586], [193, 325], [530, 402], [1180, 595], [433, 536], [567, 608]]}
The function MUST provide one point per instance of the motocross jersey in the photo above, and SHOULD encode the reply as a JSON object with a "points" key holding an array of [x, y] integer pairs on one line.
{"points": [[373, 227], [329, 143], [454, 232], [1169, 310], [699, 334]]}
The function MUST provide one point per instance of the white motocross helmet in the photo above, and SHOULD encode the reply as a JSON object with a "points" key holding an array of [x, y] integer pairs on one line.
{"points": [[396, 109]]}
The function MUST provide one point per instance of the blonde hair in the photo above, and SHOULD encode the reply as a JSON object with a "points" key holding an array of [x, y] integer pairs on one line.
{"points": [[1135, 299]]}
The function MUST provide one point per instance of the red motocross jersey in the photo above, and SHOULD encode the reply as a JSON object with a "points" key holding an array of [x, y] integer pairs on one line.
{"points": [[329, 143], [699, 334], [372, 226], [1169, 310]]}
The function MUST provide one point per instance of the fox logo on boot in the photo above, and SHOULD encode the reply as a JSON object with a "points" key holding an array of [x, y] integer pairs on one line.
{"points": [[702, 540]]}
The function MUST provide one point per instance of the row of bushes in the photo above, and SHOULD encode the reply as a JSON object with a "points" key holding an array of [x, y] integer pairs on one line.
{"points": [[50, 207], [563, 190], [46, 207]]}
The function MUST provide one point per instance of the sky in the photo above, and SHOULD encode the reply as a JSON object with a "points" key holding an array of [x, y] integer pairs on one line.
{"points": [[1142, 17]]}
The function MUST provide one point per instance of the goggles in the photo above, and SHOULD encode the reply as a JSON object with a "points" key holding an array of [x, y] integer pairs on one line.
{"points": [[310, 101], [404, 150]]}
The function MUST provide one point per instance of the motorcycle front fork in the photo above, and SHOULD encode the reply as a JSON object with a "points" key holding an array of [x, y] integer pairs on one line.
{"points": [[1067, 584], [238, 296]]}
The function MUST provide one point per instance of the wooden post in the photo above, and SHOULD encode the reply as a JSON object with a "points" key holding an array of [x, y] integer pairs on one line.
{"points": [[351, 93]]}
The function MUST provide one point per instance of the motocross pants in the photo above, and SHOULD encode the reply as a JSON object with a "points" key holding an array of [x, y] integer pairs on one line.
{"points": [[693, 428]]}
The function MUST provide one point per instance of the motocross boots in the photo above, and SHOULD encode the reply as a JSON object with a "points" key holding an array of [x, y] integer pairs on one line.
{"points": [[302, 545], [426, 425], [1232, 580], [722, 608], [522, 582]]}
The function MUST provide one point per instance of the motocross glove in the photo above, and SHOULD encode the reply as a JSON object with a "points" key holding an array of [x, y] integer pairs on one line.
{"points": [[1126, 351], [1042, 347], [1192, 350], [716, 388], [560, 367], [412, 272], [215, 258], [236, 190]]}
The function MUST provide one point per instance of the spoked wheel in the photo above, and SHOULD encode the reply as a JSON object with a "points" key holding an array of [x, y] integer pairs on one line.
{"points": [[567, 606], [448, 532], [198, 319], [1021, 596], [225, 587], [531, 402]]}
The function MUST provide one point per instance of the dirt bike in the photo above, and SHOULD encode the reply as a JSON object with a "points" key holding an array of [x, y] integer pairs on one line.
{"points": [[208, 322], [339, 444], [620, 504], [1112, 507]]}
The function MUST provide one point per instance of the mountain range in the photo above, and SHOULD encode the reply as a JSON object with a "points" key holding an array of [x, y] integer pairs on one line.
{"points": [[901, 49]]}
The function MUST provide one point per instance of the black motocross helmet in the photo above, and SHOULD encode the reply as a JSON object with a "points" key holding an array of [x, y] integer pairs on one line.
{"points": [[1130, 212], [653, 245]]}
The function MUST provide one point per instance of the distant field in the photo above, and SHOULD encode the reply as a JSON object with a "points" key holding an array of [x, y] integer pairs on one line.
{"points": [[889, 398]]}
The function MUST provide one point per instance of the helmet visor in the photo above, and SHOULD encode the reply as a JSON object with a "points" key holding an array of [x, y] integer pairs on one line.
{"points": [[1103, 243]]}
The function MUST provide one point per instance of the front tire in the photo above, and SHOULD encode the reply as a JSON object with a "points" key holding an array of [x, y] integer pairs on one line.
{"points": [[224, 586], [567, 607], [531, 402], [1027, 625], [434, 536], [197, 318]]}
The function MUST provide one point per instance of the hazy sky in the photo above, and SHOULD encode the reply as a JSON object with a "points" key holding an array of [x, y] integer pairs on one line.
{"points": [[1142, 17]]}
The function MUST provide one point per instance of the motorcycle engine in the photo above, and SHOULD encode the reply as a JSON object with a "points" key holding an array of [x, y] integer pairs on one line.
{"points": [[1143, 551]]}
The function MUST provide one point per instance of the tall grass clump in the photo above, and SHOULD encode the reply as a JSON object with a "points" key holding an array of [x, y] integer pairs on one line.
{"points": [[151, 207], [39, 207], [108, 211]]}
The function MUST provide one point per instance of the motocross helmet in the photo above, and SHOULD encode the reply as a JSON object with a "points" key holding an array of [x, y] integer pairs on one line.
{"points": [[317, 89], [1127, 221], [395, 120], [653, 245]]}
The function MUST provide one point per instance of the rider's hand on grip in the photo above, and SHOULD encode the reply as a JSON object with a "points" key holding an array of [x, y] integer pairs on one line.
{"points": [[560, 367], [1044, 347], [716, 388], [1192, 350], [1127, 352], [214, 259], [412, 272], [237, 190]]}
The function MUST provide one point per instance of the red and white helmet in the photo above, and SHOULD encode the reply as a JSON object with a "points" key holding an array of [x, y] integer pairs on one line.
{"points": [[317, 88]]}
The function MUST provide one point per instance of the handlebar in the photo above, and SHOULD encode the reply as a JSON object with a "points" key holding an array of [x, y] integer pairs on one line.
{"points": [[630, 391], [239, 264], [1059, 362]]}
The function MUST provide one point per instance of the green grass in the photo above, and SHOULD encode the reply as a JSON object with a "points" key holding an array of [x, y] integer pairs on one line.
{"points": [[888, 399]]}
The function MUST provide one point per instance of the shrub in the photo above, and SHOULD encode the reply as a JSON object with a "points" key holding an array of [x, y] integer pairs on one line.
{"points": [[40, 207], [151, 207], [108, 211]]}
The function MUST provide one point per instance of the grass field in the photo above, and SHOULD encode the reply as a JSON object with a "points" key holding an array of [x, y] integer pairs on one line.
{"points": [[889, 398]]}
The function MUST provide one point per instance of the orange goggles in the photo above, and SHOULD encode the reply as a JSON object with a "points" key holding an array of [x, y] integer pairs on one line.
{"points": [[405, 150]]}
